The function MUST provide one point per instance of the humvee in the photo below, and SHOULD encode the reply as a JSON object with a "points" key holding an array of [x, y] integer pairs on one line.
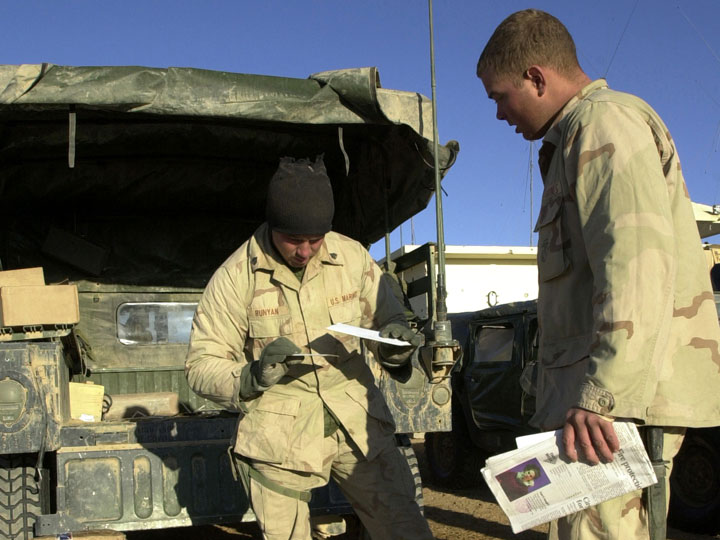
{"points": [[132, 184], [493, 394], [493, 400]]}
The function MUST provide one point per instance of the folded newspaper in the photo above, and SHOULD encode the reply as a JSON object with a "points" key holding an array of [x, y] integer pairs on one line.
{"points": [[538, 483]]}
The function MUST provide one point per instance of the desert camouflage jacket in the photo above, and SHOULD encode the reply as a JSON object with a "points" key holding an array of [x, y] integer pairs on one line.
{"points": [[251, 300], [626, 310]]}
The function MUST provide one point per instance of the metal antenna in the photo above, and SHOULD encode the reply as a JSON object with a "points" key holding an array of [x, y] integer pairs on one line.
{"points": [[443, 348], [441, 309]]}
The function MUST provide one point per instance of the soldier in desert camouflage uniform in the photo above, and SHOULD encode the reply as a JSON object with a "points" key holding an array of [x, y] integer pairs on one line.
{"points": [[306, 418], [628, 322]]}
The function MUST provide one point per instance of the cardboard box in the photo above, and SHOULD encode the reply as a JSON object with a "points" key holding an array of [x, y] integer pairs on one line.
{"points": [[86, 401], [22, 276], [39, 305]]}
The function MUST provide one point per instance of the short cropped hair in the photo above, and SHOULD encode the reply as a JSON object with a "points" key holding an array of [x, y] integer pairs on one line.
{"points": [[526, 38]]}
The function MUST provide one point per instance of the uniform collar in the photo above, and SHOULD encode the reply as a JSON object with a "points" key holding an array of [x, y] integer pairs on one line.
{"points": [[263, 256], [553, 134]]}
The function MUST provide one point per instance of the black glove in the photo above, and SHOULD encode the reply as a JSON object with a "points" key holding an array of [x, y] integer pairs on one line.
{"points": [[271, 367], [398, 355]]}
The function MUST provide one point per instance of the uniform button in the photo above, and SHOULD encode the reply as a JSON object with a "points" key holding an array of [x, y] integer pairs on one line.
{"points": [[603, 402]]}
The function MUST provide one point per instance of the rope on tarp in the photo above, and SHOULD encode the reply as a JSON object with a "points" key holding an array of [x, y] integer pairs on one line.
{"points": [[342, 149], [72, 125]]}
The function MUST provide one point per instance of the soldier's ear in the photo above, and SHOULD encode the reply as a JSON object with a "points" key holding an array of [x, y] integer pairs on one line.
{"points": [[536, 76]]}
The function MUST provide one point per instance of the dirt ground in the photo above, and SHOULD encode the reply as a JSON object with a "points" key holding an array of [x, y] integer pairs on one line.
{"points": [[470, 514]]}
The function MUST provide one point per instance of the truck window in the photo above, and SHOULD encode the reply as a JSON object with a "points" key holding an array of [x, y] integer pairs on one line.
{"points": [[150, 323], [494, 344]]}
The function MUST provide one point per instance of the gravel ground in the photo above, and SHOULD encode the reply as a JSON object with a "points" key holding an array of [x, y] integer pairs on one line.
{"points": [[470, 514]]}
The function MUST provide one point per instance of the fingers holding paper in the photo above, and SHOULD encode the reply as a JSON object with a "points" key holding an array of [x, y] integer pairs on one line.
{"points": [[589, 436]]}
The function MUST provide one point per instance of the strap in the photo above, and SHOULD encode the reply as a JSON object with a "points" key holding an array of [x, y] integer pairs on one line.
{"points": [[264, 481], [244, 470], [656, 496]]}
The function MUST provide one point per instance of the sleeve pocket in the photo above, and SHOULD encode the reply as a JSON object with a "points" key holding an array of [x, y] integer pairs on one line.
{"points": [[265, 432]]}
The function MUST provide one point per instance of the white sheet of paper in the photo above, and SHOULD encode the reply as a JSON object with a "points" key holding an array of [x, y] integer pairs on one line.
{"points": [[364, 333], [527, 440]]}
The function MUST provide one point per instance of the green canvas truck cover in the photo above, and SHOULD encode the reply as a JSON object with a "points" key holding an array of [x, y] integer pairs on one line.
{"points": [[173, 163]]}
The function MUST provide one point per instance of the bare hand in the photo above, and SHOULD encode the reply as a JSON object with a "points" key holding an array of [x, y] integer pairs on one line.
{"points": [[593, 434]]}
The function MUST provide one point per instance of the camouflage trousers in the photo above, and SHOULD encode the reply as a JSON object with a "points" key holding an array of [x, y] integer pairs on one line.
{"points": [[381, 491], [622, 518]]}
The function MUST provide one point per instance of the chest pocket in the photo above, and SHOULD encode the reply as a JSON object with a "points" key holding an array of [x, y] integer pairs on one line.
{"points": [[346, 312], [266, 327], [552, 258], [265, 330]]}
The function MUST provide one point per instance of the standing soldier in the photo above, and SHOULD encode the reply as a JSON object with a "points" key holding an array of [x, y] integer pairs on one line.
{"points": [[627, 316], [309, 405]]}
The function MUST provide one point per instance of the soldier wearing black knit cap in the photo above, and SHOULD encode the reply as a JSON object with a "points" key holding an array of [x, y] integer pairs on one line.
{"points": [[260, 344], [299, 210]]}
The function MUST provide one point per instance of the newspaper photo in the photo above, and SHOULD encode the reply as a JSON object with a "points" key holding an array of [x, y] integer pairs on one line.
{"points": [[538, 483]]}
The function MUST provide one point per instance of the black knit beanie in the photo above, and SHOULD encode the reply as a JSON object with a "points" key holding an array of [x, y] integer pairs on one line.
{"points": [[300, 198]]}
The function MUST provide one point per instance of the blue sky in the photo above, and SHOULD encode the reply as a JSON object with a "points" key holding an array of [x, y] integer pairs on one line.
{"points": [[667, 52]]}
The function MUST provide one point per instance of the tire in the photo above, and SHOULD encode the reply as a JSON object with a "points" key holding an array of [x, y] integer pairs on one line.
{"points": [[405, 447], [453, 460], [20, 497], [695, 483]]}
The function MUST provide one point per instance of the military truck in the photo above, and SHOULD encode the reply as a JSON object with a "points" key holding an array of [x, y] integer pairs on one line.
{"points": [[493, 392], [493, 399], [130, 185]]}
